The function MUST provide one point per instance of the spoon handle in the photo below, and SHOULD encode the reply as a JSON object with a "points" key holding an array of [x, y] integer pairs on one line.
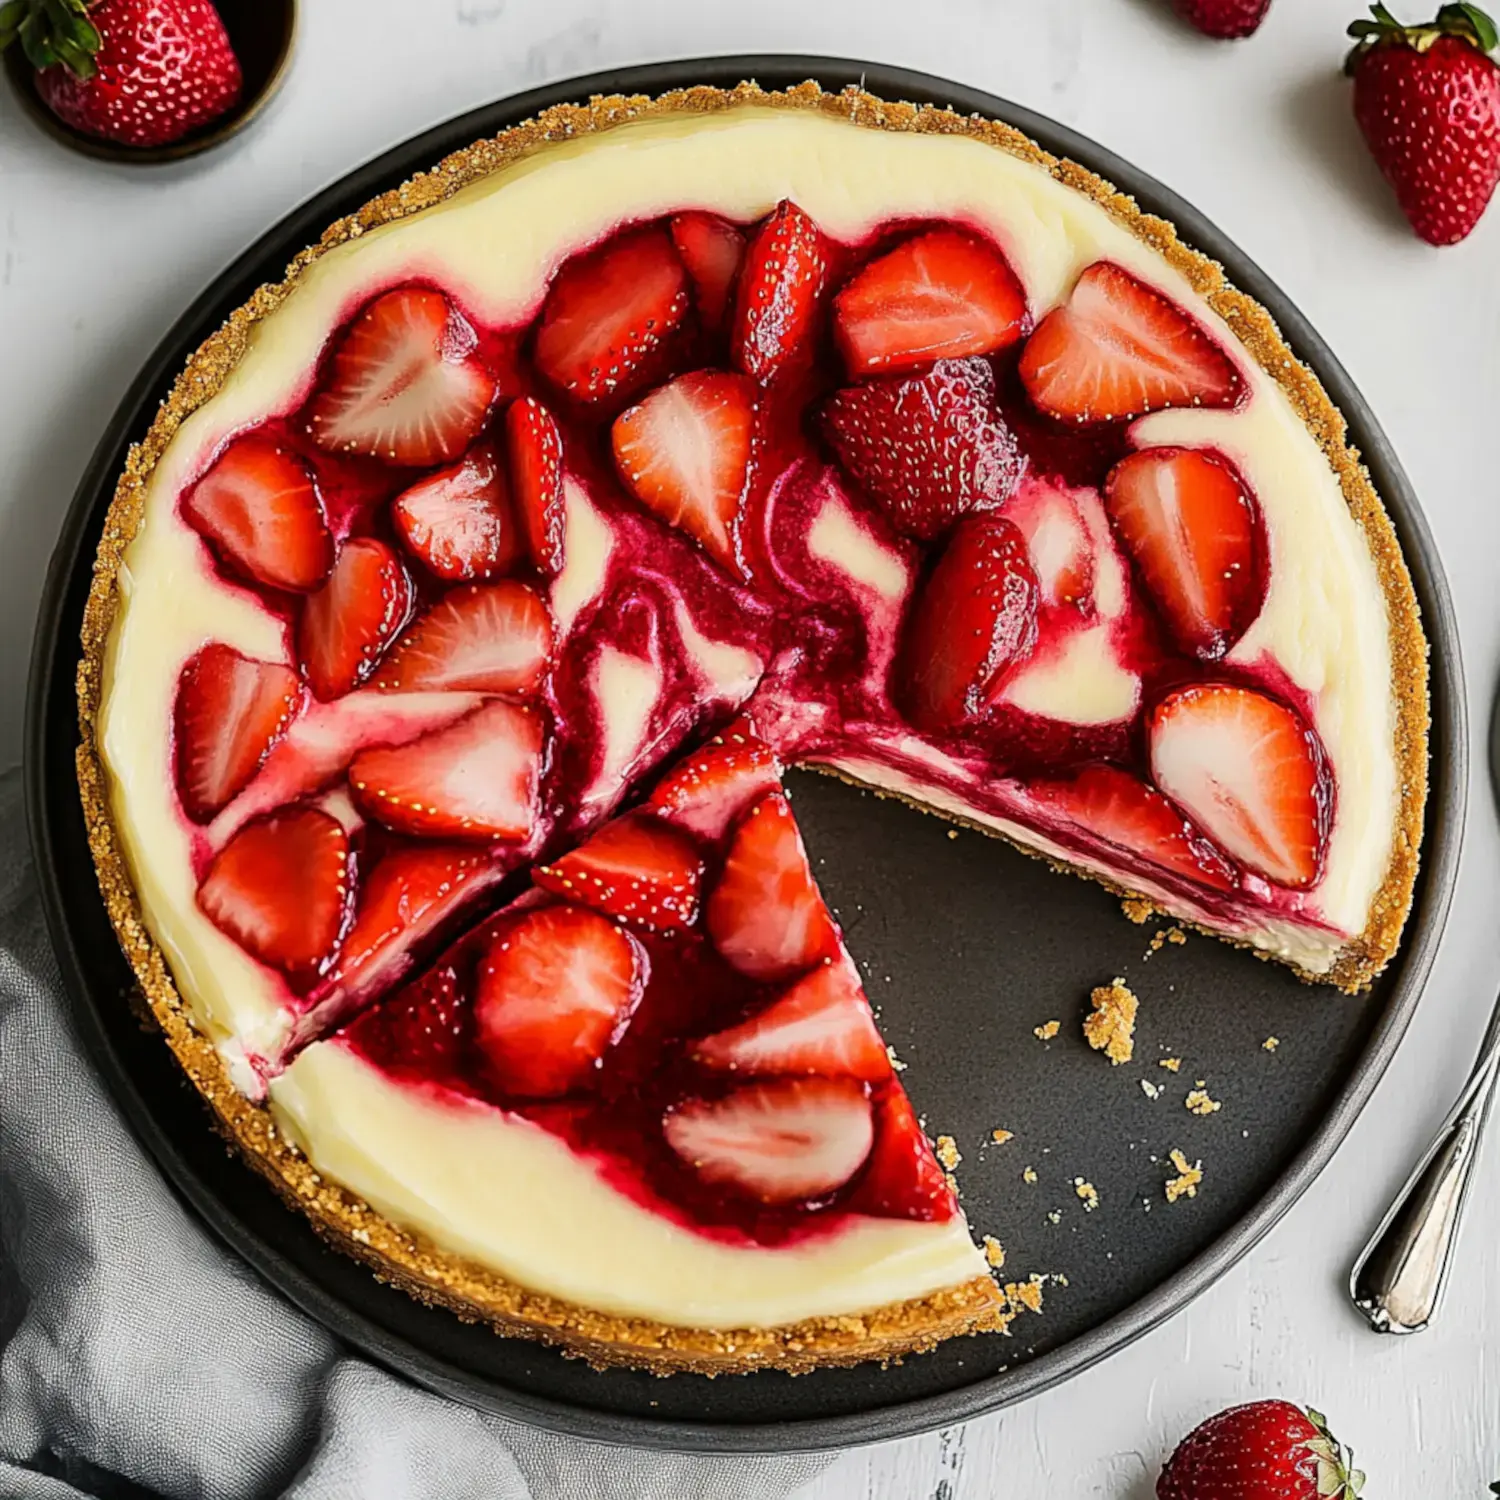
{"points": [[1398, 1280]]}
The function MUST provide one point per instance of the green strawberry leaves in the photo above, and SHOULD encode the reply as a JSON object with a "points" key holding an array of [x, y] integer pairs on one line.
{"points": [[51, 32], [1465, 21]]}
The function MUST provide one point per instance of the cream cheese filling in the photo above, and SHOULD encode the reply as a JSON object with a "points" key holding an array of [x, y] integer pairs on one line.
{"points": [[493, 245], [498, 1190]]}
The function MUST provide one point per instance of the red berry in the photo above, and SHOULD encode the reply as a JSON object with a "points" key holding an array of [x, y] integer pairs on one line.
{"points": [[1427, 100], [1268, 1450], [163, 68], [1224, 19]]}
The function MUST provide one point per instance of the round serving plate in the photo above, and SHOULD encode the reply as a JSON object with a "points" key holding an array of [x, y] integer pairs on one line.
{"points": [[966, 945]]}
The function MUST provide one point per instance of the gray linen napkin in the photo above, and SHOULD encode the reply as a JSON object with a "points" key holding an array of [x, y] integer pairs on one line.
{"points": [[139, 1357]]}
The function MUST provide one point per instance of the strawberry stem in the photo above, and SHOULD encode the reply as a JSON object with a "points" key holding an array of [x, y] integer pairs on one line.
{"points": [[1468, 23], [52, 32]]}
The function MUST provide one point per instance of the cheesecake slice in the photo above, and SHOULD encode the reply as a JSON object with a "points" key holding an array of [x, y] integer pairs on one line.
{"points": [[645, 1108]]}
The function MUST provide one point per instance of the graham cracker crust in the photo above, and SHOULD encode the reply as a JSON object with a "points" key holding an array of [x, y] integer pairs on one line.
{"points": [[474, 1293]]}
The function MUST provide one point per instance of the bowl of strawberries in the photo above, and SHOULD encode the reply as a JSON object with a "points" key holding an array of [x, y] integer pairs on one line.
{"points": [[146, 81]]}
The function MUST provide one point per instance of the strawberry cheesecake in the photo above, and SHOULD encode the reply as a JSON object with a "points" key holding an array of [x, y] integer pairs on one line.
{"points": [[453, 622]]}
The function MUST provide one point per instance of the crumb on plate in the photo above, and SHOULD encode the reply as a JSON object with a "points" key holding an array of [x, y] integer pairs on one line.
{"points": [[1111, 1027]]}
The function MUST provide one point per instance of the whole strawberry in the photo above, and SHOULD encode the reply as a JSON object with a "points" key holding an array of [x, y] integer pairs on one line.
{"points": [[1268, 1450], [1427, 99], [1224, 18], [140, 72]]}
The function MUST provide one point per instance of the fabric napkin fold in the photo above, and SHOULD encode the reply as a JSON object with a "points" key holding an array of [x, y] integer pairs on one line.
{"points": [[138, 1357]]}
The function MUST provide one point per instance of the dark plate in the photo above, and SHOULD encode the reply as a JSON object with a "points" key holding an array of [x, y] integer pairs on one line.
{"points": [[967, 946]]}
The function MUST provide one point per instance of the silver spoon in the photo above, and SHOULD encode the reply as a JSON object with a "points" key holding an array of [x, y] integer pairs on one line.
{"points": [[1398, 1280]]}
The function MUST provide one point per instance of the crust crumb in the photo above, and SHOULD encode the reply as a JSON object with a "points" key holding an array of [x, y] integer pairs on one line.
{"points": [[1199, 1103], [1271, 1043], [1047, 1030], [1149, 1089], [1088, 1194], [1111, 1028], [1171, 1064], [948, 1152], [1000, 1137], [994, 1251], [1029, 1176], [1185, 1184], [1027, 1294], [1137, 909]]}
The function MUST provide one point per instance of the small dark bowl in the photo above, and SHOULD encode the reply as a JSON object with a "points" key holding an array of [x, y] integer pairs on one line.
{"points": [[262, 33]]}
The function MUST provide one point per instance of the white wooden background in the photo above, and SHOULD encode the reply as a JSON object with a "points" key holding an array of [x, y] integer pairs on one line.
{"points": [[95, 263]]}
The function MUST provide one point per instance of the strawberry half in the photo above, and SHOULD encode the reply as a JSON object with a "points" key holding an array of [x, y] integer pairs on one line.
{"points": [[1250, 773], [636, 869], [1115, 806], [609, 314], [459, 521], [706, 792], [684, 453], [479, 638], [404, 383], [972, 624], [536, 483], [712, 249], [259, 509], [939, 295], [765, 915], [791, 1140], [402, 900], [1187, 519], [422, 1031], [230, 710], [346, 626], [821, 1025], [1116, 349], [1062, 549], [781, 284], [903, 1179], [475, 779], [928, 447], [556, 988], [280, 888]]}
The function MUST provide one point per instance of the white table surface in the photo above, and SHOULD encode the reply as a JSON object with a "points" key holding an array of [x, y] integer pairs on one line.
{"points": [[96, 262]]}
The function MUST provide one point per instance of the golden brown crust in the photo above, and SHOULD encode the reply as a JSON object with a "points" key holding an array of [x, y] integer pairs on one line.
{"points": [[434, 1275]]}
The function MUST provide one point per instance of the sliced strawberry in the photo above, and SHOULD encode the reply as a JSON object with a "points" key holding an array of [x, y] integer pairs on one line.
{"points": [[1114, 806], [423, 1030], [1117, 349], [346, 626], [259, 508], [781, 285], [475, 779], [635, 869], [402, 900], [404, 383], [459, 521], [556, 988], [1250, 773], [939, 295], [712, 249], [710, 789], [684, 453], [972, 624], [536, 482], [479, 638], [821, 1025], [230, 710], [789, 1140], [928, 448], [903, 1179], [765, 915], [280, 888], [609, 313], [1058, 541], [1189, 523]]}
